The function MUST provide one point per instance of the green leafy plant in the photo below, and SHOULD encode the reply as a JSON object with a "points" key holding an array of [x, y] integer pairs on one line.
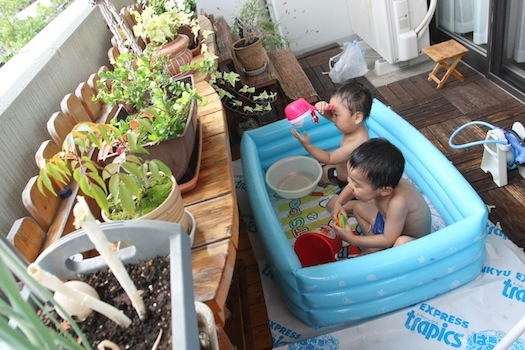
{"points": [[254, 19], [20, 324], [149, 94], [120, 184], [161, 6], [240, 98], [166, 115], [159, 29], [131, 81]]}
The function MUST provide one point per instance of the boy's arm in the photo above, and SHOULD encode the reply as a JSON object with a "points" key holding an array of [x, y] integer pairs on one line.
{"points": [[346, 195], [340, 155], [394, 223]]}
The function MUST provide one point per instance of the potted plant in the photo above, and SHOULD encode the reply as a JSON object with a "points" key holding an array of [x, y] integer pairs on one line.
{"points": [[257, 32], [162, 110], [191, 29], [160, 31], [27, 307], [126, 188], [239, 98]]}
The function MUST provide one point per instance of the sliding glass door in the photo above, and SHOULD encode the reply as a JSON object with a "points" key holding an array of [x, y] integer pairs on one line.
{"points": [[494, 32]]}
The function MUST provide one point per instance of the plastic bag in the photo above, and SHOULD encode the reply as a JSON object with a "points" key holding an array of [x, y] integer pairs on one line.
{"points": [[348, 64]]}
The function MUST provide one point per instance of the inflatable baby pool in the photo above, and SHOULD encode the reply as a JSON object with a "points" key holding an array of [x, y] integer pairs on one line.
{"points": [[353, 290]]}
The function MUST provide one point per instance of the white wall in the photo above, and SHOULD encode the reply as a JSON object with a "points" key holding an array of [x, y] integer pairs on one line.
{"points": [[32, 85], [309, 24]]}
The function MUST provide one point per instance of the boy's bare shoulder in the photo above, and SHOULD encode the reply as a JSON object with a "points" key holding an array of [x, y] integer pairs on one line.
{"points": [[351, 141]]}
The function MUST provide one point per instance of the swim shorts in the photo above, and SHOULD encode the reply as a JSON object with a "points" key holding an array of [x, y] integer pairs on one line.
{"points": [[332, 176], [379, 225]]}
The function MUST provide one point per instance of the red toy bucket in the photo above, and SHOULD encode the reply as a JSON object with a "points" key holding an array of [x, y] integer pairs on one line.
{"points": [[315, 248]]}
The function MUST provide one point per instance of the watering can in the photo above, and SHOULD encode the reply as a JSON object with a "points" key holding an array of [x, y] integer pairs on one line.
{"points": [[297, 111]]}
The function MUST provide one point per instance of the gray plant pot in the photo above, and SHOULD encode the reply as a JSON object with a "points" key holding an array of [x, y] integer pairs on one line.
{"points": [[162, 238]]}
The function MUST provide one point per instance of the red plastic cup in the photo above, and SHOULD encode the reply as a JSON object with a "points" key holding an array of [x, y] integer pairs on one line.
{"points": [[315, 248]]}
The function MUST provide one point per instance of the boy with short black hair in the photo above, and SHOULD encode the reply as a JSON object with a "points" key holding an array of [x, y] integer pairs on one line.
{"points": [[348, 109], [390, 210]]}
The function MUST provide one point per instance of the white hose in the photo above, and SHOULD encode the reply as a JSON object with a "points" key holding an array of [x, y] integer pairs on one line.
{"points": [[511, 336], [420, 29]]}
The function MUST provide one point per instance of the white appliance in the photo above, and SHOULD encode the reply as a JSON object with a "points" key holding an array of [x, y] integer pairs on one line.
{"points": [[395, 29]]}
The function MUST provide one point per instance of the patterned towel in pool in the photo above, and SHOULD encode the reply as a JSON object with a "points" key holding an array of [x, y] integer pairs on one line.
{"points": [[309, 214]]}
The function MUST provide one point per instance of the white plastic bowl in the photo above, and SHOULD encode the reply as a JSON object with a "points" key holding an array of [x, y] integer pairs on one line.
{"points": [[294, 177]]}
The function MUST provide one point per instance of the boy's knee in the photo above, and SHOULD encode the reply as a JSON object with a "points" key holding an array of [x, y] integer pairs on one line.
{"points": [[330, 204], [402, 240]]}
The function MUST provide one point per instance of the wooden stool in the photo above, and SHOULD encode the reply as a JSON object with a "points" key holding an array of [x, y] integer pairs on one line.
{"points": [[441, 53]]}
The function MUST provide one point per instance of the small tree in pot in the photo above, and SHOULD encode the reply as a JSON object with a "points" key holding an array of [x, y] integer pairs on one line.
{"points": [[257, 32]]}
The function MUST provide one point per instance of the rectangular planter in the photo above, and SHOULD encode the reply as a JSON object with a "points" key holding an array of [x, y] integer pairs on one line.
{"points": [[162, 238], [176, 152]]}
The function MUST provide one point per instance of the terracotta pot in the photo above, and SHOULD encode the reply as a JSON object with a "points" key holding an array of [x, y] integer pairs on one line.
{"points": [[250, 53], [195, 42], [176, 52]]}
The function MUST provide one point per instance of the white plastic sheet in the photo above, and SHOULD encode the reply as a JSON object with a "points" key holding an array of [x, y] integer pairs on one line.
{"points": [[472, 317]]}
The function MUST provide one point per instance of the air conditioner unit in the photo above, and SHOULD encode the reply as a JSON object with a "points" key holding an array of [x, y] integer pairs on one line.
{"points": [[395, 29]]}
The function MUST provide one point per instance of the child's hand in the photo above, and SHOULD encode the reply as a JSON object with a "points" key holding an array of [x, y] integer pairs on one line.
{"points": [[346, 233], [324, 108], [304, 140]]}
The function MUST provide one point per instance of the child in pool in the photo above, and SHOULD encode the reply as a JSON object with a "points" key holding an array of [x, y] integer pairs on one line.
{"points": [[348, 109], [390, 210]]}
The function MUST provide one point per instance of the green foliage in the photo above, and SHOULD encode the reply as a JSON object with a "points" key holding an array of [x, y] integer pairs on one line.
{"points": [[119, 183], [26, 330], [161, 6], [254, 19], [159, 29], [240, 98], [166, 115], [130, 81], [15, 33], [158, 104]]}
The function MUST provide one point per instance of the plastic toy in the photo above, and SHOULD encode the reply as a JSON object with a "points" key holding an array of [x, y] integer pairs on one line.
{"points": [[297, 111], [347, 292], [341, 220], [503, 150]]}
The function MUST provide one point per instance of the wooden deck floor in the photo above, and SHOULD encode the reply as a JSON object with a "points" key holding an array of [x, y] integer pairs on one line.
{"points": [[436, 113]]}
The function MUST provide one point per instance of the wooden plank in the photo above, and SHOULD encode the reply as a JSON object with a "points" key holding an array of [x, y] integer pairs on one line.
{"points": [[224, 39], [58, 126], [215, 178], [46, 150], [73, 108], [401, 93], [85, 94], [292, 78], [217, 219], [42, 207], [27, 237], [212, 268]]}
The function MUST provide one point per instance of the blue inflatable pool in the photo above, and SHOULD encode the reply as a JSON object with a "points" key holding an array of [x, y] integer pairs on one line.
{"points": [[350, 291]]}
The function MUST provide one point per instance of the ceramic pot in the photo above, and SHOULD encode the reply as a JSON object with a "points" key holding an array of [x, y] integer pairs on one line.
{"points": [[250, 53], [171, 210], [176, 152], [177, 54], [195, 42]]}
